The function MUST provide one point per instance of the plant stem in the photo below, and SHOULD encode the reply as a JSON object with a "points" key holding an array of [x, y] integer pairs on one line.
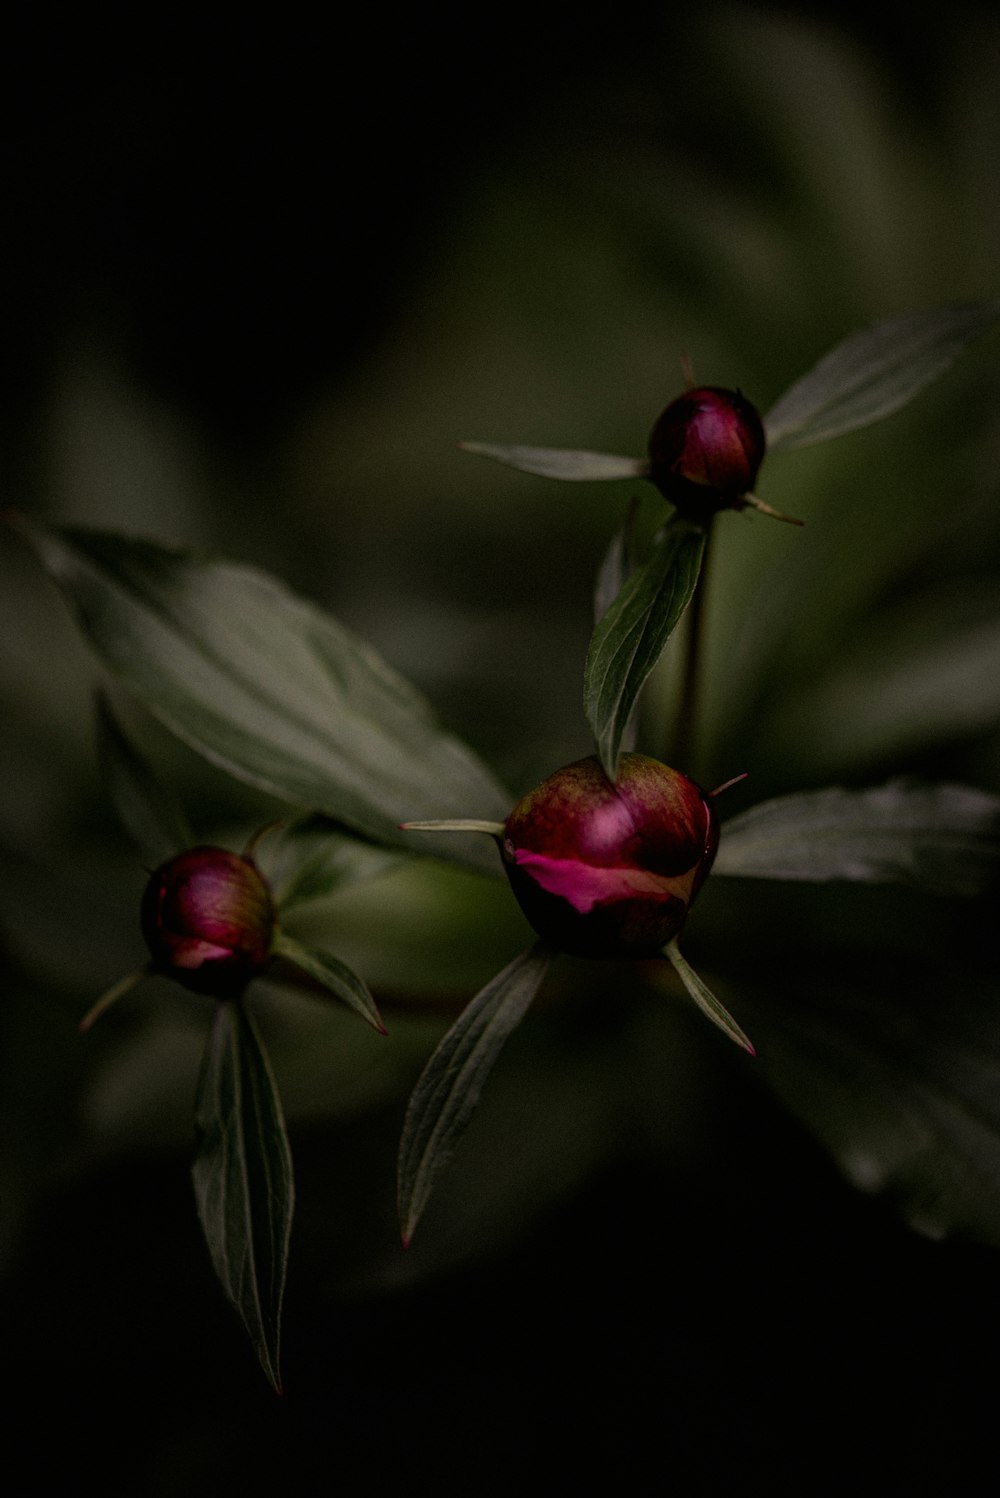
{"points": [[684, 733]]}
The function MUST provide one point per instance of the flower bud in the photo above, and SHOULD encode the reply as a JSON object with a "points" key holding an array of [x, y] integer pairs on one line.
{"points": [[609, 870], [208, 920], [705, 451]]}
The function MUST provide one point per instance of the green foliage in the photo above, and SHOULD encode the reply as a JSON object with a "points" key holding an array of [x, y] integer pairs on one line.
{"points": [[243, 1178], [334, 976], [875, 372], [280, 695], [448, 1090], [633, 633], [558, 463], [942, 838], [153, 818], [266, 686]]}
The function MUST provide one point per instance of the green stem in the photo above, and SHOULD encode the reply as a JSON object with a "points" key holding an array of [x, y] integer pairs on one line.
{"points": [[687, 713]]}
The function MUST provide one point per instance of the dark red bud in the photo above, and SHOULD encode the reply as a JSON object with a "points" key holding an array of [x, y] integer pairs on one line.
{"points": [[705, 451], [208, 920], [609, 870]]}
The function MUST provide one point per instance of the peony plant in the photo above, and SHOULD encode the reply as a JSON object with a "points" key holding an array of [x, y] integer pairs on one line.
{"points": [[605, 857]]}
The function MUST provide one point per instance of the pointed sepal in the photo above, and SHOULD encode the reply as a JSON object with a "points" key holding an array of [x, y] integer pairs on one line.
{"points": [[562, 463], [705, 998], [335, 976]]}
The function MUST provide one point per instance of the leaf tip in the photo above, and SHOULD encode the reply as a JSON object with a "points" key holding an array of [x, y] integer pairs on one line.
{"points": [[113, 994], [728, 784], [751, 501]]}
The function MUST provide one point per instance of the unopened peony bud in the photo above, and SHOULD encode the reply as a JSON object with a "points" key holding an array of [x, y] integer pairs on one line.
{"points": [[209, 921], [705, 451], [609, 870]]}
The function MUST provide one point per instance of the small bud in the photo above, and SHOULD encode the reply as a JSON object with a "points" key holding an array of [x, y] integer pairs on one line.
{"points": [[209, 921], [705, 451], [609, 870]]}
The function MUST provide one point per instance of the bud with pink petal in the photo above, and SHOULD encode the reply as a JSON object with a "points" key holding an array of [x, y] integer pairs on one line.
{"points": [[610, 870], [705, 451], [209, 920]]}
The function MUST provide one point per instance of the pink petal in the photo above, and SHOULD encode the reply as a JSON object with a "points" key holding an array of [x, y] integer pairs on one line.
{"points": [[585, 886]]}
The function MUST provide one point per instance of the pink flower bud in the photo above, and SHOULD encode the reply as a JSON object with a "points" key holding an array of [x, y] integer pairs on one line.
{"points": [[609, 870], [705, 451], [208, 920]]}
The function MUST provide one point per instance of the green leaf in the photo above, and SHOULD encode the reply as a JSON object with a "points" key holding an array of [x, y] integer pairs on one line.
{"points": [[313, 857], [921, 686], [901, 1085], [449, 1087], [336, 977], [875, 372], [943, 838], [243, 1178], [562, 463], [631, 636], [152, 817], [616, 564], [705, 999], [271, 688]]}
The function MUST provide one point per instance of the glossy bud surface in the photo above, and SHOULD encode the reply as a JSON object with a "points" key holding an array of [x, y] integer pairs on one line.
{"points": [[705, 451], [609, 870], [208, 920]]}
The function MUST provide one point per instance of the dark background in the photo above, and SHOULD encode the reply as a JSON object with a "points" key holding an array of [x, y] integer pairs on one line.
{"points": [[262, 276]]}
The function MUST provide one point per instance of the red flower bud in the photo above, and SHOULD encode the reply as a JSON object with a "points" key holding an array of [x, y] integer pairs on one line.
{"points": [[208, 920], [609, 870], [705, 451]]}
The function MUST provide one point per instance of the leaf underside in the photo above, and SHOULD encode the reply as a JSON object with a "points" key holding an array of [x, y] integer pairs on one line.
{"points": [[942, 838], [271, 688], [561, 463], [153, 819], [875, 371]]}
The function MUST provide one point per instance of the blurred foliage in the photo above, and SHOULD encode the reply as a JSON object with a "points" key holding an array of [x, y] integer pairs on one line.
{"points": [[255, 304]]}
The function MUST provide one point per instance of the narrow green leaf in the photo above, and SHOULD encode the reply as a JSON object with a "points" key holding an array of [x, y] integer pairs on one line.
{"points": [[449, 1087], [944, 838], [875, 371], [705, 998], [632, 635], [562, 463], [313, 857], [271, 688], [149, 813], [243, 1178], [335, 976]]}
